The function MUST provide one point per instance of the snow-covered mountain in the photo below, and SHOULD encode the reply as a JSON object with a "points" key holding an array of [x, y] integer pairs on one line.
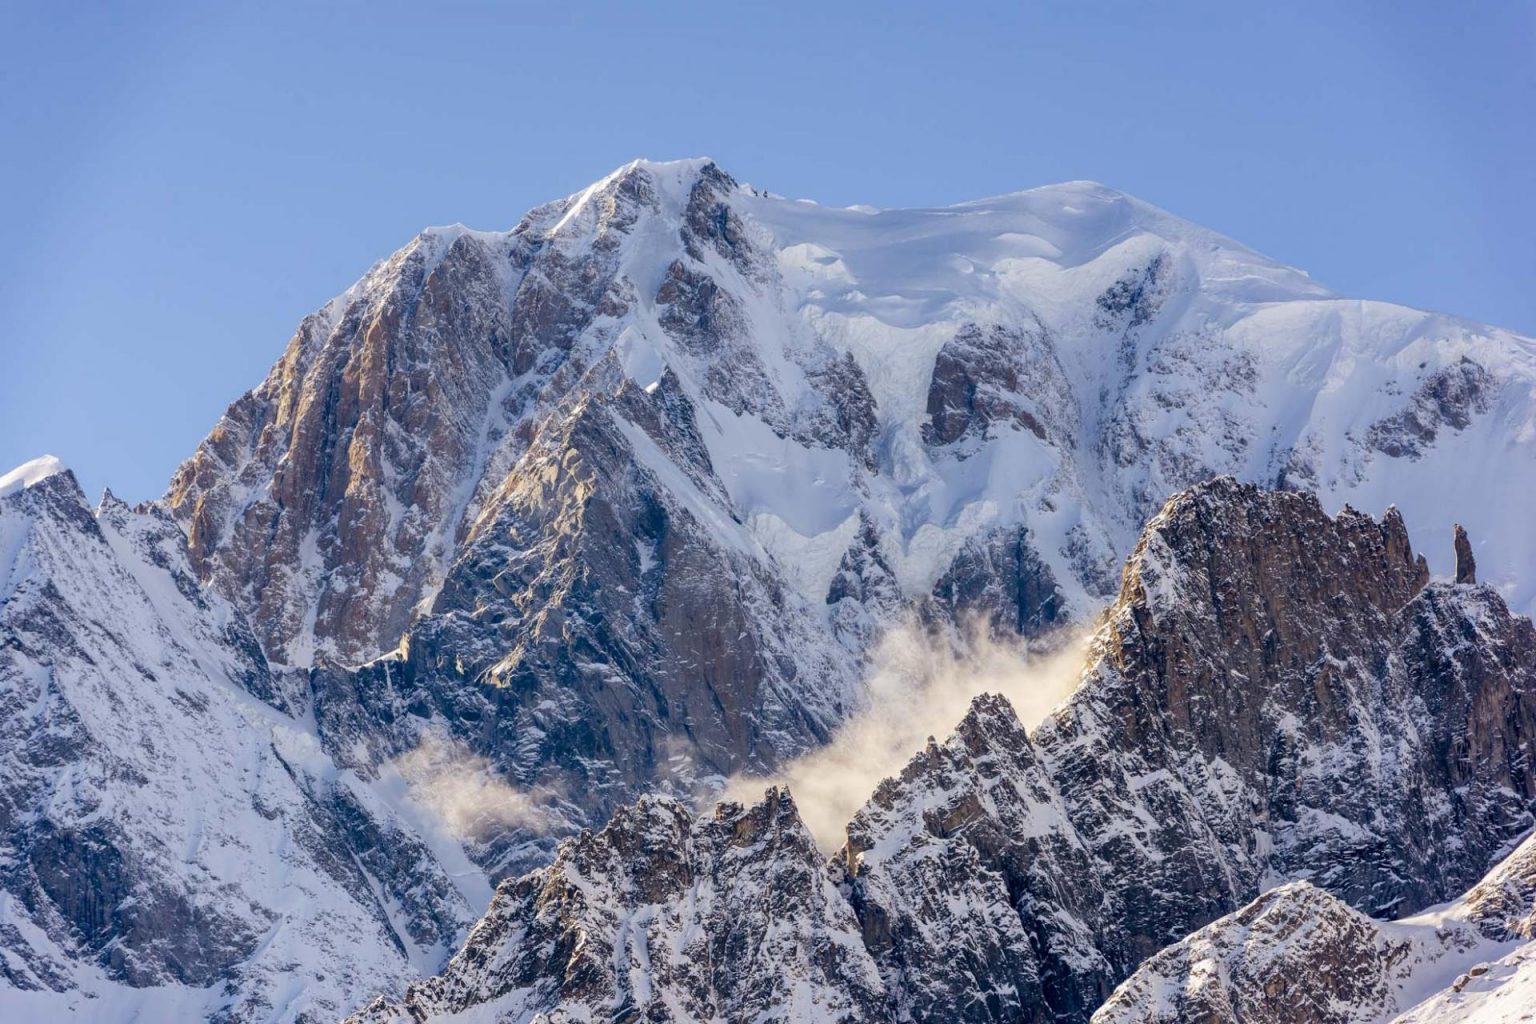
{"points": [[1061, 359], [619, 498], [527, 524]]}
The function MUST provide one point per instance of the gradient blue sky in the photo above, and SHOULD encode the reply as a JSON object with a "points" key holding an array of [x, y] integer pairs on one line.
{"points": [[180, 185]]}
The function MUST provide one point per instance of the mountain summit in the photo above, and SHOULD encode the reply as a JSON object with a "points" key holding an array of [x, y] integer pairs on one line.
{"points": [[1055, 361]]}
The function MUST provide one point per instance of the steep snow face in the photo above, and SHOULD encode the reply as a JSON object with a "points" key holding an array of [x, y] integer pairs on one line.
{"points": [[30, 473], [172, 845], [1166, 355], [1501, 992]]}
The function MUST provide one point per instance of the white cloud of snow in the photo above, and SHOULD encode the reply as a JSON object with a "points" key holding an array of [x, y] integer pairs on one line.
{"points": [[464, 792], [918, 687]]}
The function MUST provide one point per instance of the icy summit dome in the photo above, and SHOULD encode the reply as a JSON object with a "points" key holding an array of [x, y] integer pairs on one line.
{"points": [[30, 473]]}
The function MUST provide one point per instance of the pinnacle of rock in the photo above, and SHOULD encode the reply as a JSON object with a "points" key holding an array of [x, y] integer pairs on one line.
{"points": [[1466, 565]]}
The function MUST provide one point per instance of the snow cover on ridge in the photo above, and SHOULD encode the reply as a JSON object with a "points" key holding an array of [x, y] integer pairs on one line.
{"points": [[29, 473], [666, 407], [1298, 949], [1502, 992]]}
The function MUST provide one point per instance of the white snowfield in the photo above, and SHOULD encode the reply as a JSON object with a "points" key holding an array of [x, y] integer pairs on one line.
{"points": [[1245, 367], [1139, 354]]}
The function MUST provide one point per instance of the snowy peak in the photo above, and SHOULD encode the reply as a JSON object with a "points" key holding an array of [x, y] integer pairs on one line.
{"points": [[618, 502], [943, 374], [175, 846], [31, 473], [727, 916]]}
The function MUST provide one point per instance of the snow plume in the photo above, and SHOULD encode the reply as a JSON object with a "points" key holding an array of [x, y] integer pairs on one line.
{"points": [[465, 793], [919, 686]]}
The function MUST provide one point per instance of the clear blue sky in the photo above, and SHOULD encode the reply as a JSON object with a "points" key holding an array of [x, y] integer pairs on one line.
{"points": [[179, 186]]}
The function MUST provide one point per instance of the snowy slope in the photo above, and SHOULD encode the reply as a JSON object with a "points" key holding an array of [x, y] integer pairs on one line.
{"points": [[620, 499], [1298, 953], [174, 846], [1501, 992], [1182, 355]]}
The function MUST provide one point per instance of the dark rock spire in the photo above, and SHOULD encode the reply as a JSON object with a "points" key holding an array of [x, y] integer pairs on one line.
{"points": [[1466, 565]]}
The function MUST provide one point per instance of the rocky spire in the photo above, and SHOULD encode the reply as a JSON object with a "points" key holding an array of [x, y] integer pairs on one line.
{"points": [[1466, 565]]}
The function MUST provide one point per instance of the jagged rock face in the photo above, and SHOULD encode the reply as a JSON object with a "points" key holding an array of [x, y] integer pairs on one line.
{"points": [[1296, 954], [1449, 397], [619, 500], [171, 844], [1299, 954], [325, 501], [595, 639], [1503, 905], [998, 376], [967, 889], [939, 404], [1265, 676], [1277, 694], [1466, 564], [662, 916], [565, 569], [998, 578]]}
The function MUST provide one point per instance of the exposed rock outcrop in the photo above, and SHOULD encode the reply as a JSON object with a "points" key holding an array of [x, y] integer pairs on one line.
{"points": [[166, 832], [1298, 954], [1466, 565], [662, 916], [580, 494], [620, 501]]}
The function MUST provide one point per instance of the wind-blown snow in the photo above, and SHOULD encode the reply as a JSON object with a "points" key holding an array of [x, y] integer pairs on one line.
{"points": [[30, 473], [1151, 353], [917, 691]]}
